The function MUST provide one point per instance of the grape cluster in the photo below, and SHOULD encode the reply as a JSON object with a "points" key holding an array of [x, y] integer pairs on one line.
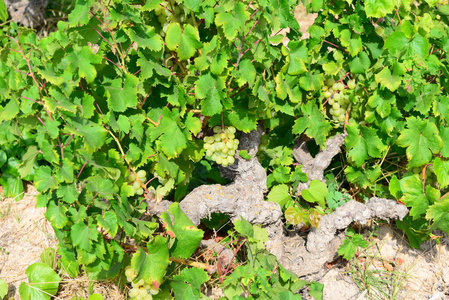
{"points": [[430, 177], [137, 188], [221, 146], [168, 12], [140, 290], [338, 98]]}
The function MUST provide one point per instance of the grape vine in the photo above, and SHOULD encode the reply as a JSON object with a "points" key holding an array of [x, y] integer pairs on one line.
{"points": [[130, 103]]}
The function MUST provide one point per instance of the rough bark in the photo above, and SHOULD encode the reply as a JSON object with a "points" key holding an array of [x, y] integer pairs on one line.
{"points": [[28, 13], [244, 198], [314, 166]]}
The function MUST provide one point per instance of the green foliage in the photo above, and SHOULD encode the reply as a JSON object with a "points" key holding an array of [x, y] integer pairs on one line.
{"points": [[135, 85], [43, 283], [262, 277], [3, 288], [352, 244]]}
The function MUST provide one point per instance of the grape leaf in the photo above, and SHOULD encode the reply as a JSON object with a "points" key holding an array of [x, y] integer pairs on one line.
{"points": [[233, 22], [351, 41], [313, 123], [83, 61], [363, 142], [414, 196], [210, 90], [279, 194], [441, 169], [151, 267], [316, 193], [146, 37], [187, 285], [122, 93], [188, 236], [43, 283], [171, 138], [84, 235], [378, 8], [28, 159], [108, 221], [438, 212], [421, 138], [185, 41], [388, 79], [3, 18]]}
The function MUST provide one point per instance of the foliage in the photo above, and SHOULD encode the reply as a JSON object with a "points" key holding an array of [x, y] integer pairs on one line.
{"points": [[262, 277], [3, 288], [351, 244], [43, 283], [124, 86]]}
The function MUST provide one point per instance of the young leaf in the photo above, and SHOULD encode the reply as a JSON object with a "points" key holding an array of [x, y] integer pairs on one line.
{"points": [[316, 193], [279, 194]]}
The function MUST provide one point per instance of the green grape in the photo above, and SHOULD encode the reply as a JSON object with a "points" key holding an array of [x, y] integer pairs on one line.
{"points": [[139, 191], [336, 106], [330, 82], [231, 159], [136, 185], [337, 96], [141, 174], [223, 145], [351, 84], [327, 94], [131, 177], [331, 101]]}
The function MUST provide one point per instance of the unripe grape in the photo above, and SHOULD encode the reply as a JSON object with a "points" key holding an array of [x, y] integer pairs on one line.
{"points": [[327, 94], [136, 185], [230, 136], [209, 153], [335, 86], [223, 136], [330, 82], [216, 129], [139, 191], [231, 159], [231, 129], [219, 159], [336, 106], [331, 101], [351, 84], [337, 96], [141, 174], [231, 152], [131, 177]]}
